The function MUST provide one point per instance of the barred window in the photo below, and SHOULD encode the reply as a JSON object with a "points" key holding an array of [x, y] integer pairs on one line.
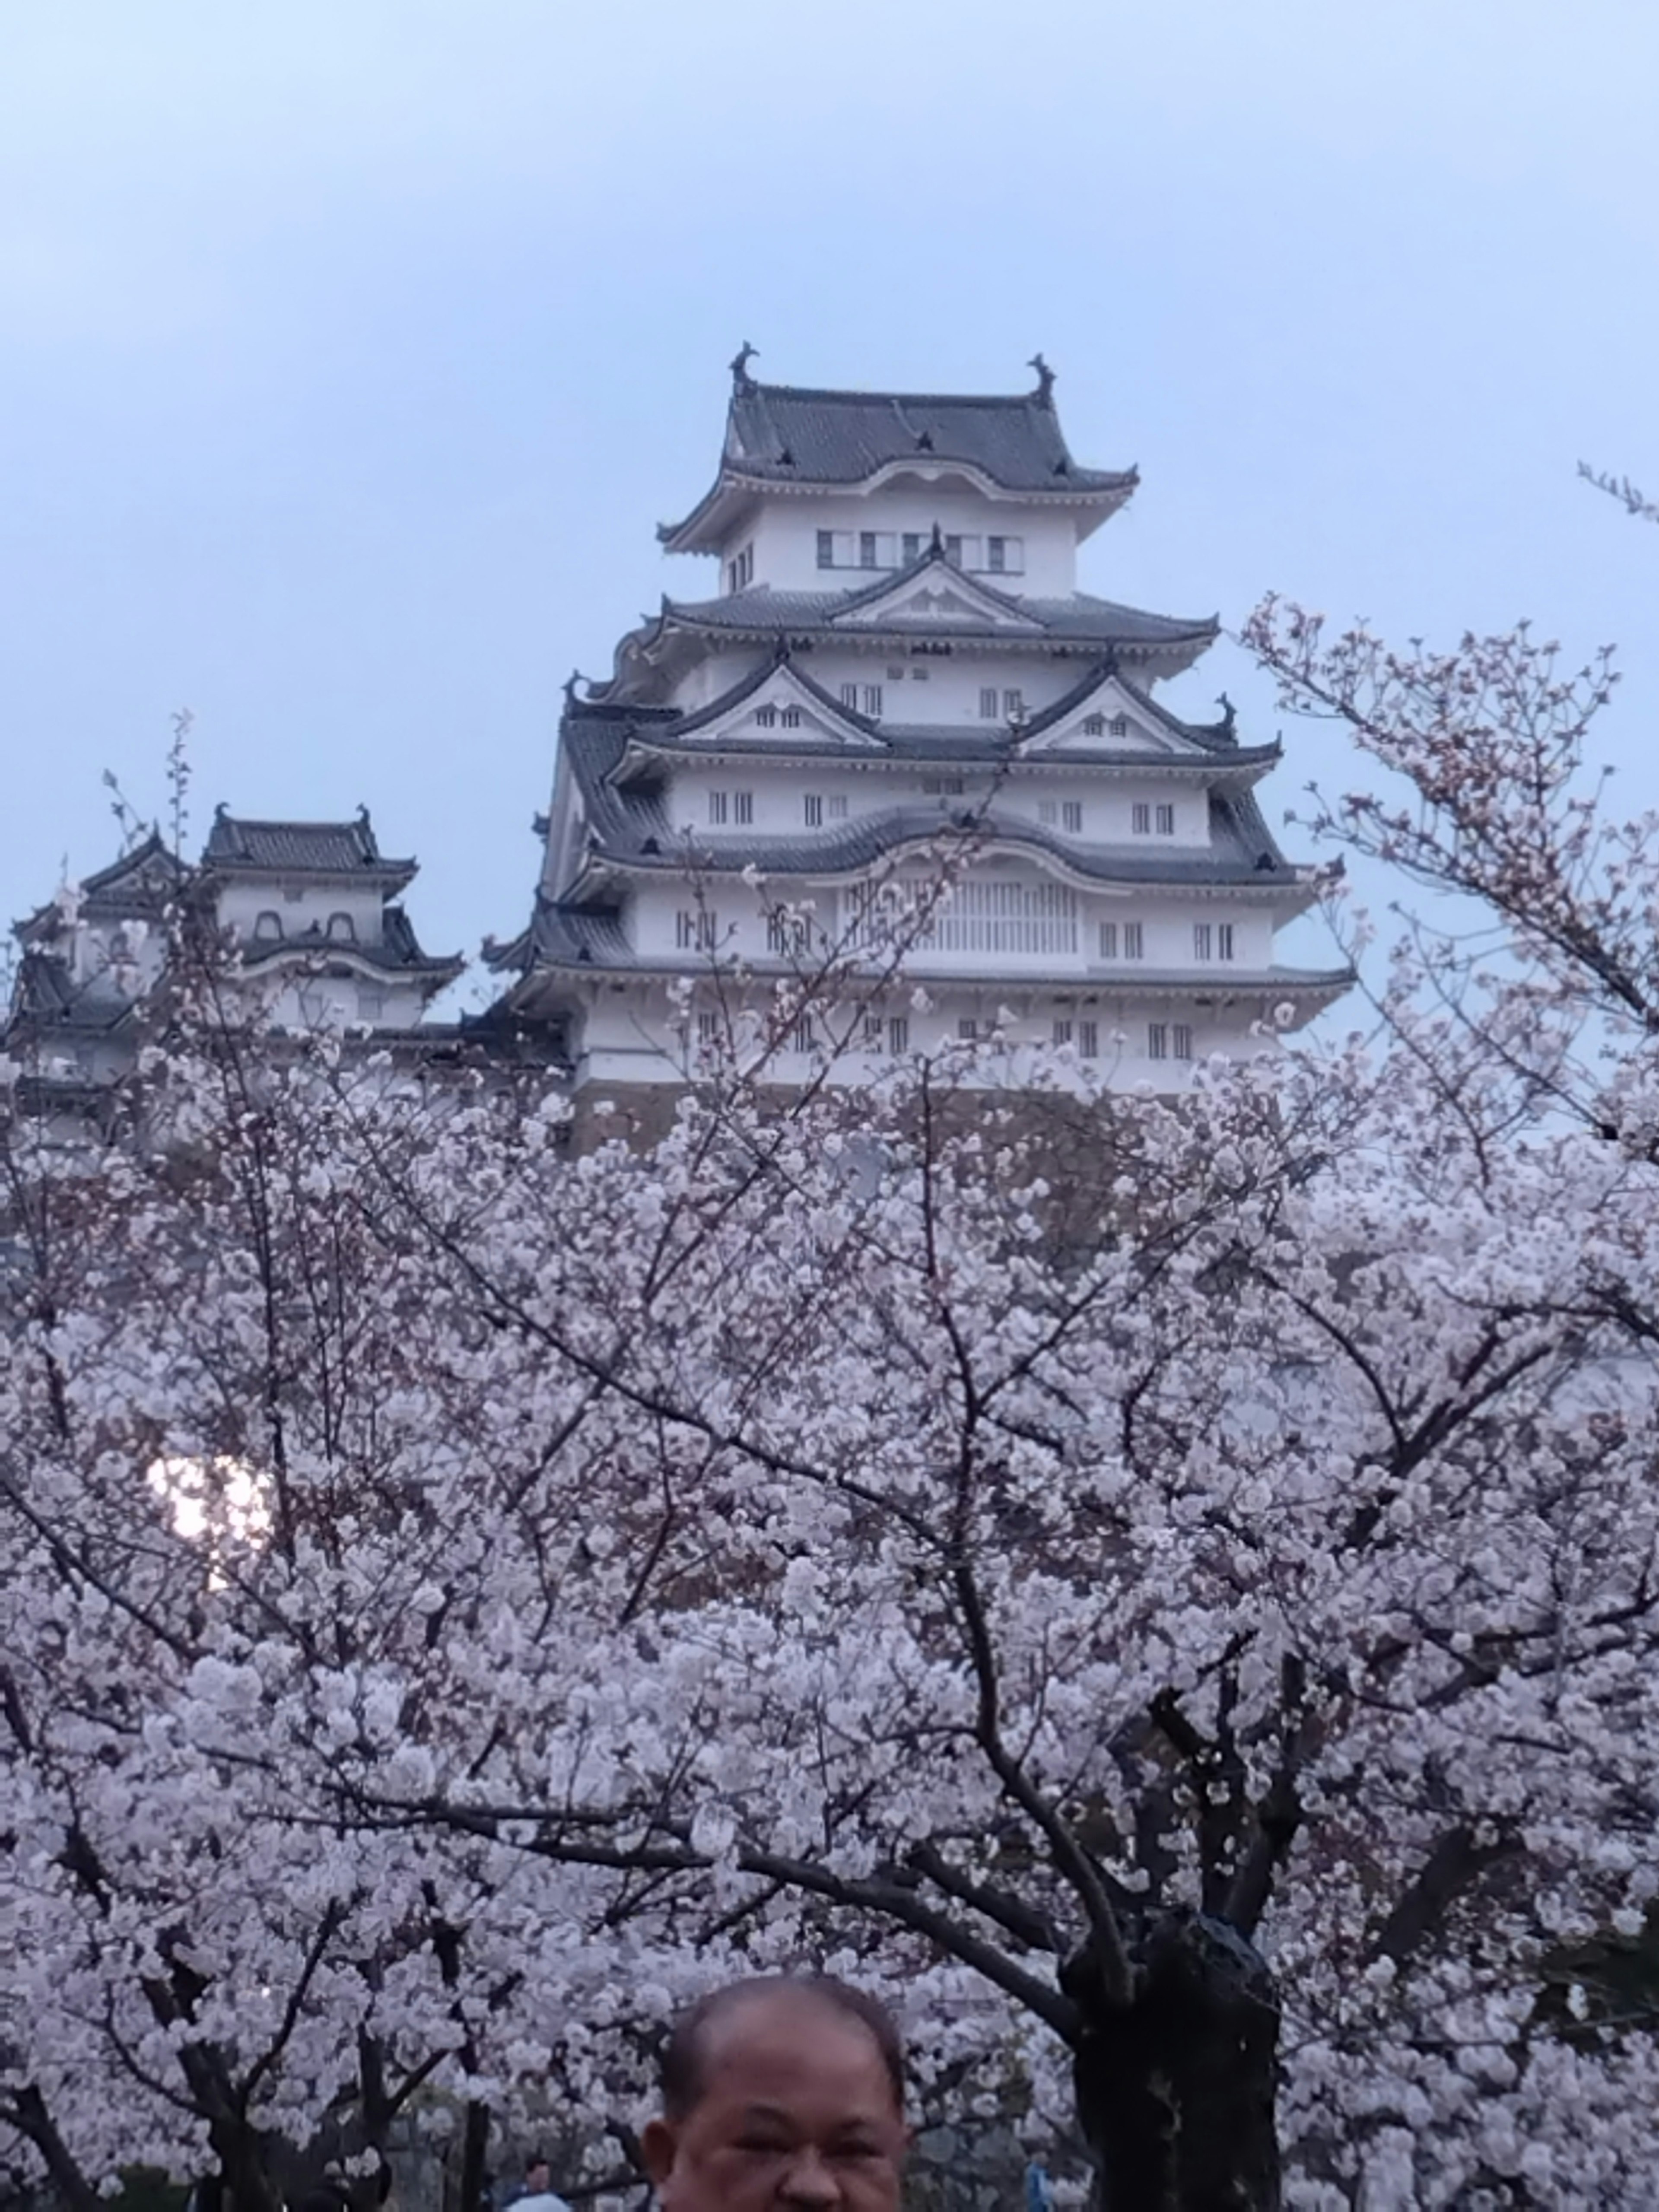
{"points": [[1166, 821], [1183, 1040], [1088, 1040], [978, 916], [1157, 1040]]}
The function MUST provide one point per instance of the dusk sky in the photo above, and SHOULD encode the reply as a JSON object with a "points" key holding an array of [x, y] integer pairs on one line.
{"points": [[350, 351]]}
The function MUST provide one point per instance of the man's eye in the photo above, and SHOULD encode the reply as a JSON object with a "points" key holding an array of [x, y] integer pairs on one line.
{"points": [[762, 2146]]}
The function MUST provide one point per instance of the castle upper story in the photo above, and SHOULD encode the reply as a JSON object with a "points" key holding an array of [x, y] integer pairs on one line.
{"points": [[822, 490]]}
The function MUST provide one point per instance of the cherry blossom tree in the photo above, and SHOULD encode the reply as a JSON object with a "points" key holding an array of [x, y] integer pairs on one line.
{"points": [[1184, 1632]]}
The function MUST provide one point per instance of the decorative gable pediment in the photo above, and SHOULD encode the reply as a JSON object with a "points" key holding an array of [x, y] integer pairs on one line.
{"points": [[939, 594], [785, 710], [1111, 720]]}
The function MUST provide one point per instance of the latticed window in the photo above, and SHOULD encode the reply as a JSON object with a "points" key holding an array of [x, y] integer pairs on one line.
{"points": [[1140, 819], [765, 716], [695, 929], [1006, 918], [1157, 1040], [800, 1036], [1166, 821], [1088, 1040], [1094, 725], [1135, 941], [812, 809], [792, 718], [1062, 1033], [1183, 1040], [1071, 815], [786, 934]]}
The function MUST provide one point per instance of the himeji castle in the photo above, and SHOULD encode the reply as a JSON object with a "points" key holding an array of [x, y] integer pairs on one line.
{"points": [[898, 652]]}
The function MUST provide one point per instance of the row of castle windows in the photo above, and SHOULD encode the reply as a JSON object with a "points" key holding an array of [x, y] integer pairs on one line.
{"points": [[736, 808], [887, 548], [891, 1033], [1009, 705], [697, 930], [268, 927]]}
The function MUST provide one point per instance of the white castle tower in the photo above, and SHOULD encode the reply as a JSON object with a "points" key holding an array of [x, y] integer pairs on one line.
{"points": [[898, 651]]}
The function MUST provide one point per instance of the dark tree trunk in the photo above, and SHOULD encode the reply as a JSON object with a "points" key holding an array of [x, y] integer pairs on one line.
{"points": [[1176, 2092]]}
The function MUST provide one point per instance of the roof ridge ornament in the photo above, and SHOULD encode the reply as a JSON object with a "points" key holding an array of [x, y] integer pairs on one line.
{"points": [[742, 382], [1044, 394]]}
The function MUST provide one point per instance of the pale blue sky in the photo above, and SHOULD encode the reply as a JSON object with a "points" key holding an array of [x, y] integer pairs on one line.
{"points": [[350, 349]]}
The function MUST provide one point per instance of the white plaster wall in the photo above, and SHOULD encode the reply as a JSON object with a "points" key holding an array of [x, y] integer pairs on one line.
{"points": [[632, 1035], [240, 904], [784, 534]]}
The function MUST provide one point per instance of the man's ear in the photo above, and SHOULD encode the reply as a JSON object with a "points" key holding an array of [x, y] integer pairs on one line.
{"points": [[659, 2143]]}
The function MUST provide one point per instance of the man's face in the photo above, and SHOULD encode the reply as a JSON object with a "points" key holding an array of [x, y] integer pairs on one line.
{"points": [[796, 2110], [536, 2178]]}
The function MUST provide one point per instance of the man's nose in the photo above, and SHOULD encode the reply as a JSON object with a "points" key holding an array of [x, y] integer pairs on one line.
{"points": [[809, 2181]]}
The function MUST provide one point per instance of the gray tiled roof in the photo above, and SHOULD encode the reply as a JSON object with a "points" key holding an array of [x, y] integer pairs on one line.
{"points": [[299, 848], [629, 830], [790, 434], [137, 884], [761, 612], [658, 730]]}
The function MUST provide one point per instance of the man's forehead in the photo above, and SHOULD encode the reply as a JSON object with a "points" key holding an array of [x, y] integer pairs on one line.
{"points": [[758, 2025]]}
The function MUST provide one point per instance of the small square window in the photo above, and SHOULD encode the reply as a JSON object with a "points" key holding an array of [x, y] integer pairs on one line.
{"points": [[1140, 819], [919, 675], [812, 809], [1094, 725], [1071, 816], [293, 893], [968, 1030], [1120, 726], [895, 675]]}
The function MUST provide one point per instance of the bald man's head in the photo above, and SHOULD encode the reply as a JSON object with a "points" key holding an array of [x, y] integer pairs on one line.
{"points": [[780, 2092]]}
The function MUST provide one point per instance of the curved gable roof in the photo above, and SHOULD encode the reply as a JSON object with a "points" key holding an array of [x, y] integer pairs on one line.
{"points": [[796, 436]]}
